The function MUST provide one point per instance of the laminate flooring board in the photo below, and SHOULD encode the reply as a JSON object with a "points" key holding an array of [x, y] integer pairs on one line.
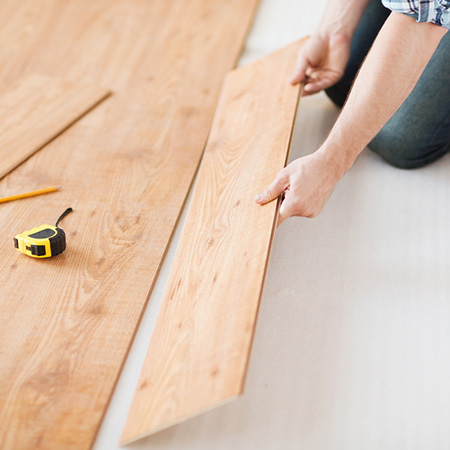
{"points": [[200, 347], [144, 47], [36, 110], [66, 323]]}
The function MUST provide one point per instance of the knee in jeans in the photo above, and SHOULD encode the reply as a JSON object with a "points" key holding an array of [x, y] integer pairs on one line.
{"points": [[405, 152]]}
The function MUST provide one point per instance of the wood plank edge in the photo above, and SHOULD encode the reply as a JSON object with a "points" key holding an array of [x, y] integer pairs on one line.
{"points": [[103, 96], [184, 205], [155, 279], [271, 239]]}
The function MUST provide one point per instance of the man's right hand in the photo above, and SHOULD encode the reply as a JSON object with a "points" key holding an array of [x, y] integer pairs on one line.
{"points": [[321, 62]]}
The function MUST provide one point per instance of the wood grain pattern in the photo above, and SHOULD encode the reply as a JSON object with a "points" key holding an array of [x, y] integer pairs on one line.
{"points": [[36, 110], [134, 46], [66, 323], [200, 347]]}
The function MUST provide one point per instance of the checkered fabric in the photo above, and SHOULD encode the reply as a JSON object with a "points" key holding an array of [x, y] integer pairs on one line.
{"points": [[435, 11]]}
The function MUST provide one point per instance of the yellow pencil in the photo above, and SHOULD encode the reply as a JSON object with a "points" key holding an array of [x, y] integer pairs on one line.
{"points": [[28, 194]]}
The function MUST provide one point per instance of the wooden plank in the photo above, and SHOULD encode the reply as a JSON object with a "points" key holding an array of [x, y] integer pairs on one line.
{"points": [[36, 110], [137, 46], [66, 323], [200, 347]]}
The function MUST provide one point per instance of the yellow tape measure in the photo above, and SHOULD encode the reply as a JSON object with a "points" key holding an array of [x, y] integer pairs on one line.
{"points": [[44, 241]]}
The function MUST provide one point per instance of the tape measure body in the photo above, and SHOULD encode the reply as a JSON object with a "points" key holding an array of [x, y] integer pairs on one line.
{"points": [[41, 242]]}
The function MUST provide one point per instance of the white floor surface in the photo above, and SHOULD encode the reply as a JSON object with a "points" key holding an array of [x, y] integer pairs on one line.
{"points": [[352, 347]]}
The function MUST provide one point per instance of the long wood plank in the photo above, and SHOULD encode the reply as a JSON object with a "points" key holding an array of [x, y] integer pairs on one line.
{"points": [[200, 346], [36, 110], [66, 323], [134, 46]]}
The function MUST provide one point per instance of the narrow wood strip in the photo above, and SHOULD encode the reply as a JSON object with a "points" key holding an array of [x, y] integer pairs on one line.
{"points": [[36, 110], [66, 323], [200, 347]]}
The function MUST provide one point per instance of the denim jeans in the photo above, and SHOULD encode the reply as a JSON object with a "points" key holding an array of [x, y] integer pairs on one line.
{"points": [[419, 132]]}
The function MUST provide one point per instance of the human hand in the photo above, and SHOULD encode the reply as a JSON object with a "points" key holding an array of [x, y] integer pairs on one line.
{"points": [[307, 184], [321, 62]]}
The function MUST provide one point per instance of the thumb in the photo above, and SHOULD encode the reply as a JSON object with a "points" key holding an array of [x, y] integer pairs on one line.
{"points": [[280, 183]]}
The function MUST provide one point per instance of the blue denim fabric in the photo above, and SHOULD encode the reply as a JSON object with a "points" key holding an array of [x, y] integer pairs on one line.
{"points": [[419, 132]]}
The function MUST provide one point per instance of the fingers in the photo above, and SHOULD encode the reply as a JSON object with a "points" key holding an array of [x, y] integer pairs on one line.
{"points": [[300, 69], [280, 183], [286, 210], [327, 76], [313, 87], [292, 206]]}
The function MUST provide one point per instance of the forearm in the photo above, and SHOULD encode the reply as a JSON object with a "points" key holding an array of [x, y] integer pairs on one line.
{"points": [[389, 74], [342, 16]]}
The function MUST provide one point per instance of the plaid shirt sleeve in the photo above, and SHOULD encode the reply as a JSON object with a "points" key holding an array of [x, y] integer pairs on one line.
{"points": [[435, 11]]}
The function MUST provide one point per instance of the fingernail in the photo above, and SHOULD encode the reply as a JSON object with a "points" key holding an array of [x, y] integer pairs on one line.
{"points": [[258, 198]]}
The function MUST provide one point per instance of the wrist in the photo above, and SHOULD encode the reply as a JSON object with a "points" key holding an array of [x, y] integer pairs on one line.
{"points": [[338, 22], [330, 29], [338, 157], [342, 17]]}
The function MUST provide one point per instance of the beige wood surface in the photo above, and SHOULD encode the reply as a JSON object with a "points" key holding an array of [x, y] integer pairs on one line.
{"points": [[138, 46], [37, 109], [66, 323], [199, 351]]}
